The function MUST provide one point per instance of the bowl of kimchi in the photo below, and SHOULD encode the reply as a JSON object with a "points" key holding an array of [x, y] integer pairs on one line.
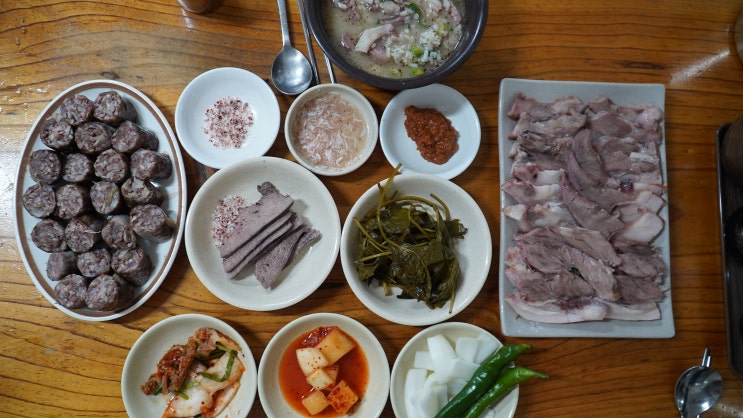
{"points": [[331, 129]]}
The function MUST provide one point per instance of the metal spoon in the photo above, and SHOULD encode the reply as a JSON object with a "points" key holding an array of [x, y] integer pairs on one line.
{"points": [[698, 388], [291, 72]]}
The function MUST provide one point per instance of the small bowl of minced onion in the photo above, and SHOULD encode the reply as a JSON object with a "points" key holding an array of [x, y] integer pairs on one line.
{"points": [[331, 129]]}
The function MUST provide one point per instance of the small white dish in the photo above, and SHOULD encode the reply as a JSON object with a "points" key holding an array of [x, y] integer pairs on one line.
{"points": [[624, 94], [174, 190], [201, 94], [312, 200], [505, 408], [474, 251], [400, 149], [371, 403], [353, 97], [142, 360]]}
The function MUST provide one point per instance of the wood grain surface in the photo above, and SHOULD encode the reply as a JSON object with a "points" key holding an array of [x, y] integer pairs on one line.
{"points": [[54, 365]]}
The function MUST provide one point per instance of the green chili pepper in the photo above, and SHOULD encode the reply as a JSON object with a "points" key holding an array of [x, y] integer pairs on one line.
{"points": [[483, 379], [506, 381]]}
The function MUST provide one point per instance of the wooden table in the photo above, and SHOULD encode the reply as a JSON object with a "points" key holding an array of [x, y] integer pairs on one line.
{"points": [[54, 365]]}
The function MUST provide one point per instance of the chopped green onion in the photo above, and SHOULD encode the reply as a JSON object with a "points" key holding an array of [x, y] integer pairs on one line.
{"points": [[227, 371], [418, 13], [417, 51]]}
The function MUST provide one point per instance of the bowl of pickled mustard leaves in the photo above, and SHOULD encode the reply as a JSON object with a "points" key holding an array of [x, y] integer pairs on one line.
{"points": [[416, 249]]}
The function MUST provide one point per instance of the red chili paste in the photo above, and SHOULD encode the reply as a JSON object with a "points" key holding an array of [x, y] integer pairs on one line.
{"points": [[432, 132]]}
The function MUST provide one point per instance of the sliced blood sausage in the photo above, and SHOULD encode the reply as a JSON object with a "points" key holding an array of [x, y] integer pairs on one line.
{"points": [[108, 292], [134, 265], [57, 134], [112, 165], [61, 264], [77, 168], [92, 138], [141, 192], [151, 223], [94, 262], [71, 290], [45, 166], [77, 109], [111, 108], [83, 232], [117, 233], [72, 200], [130, 137], [40, 200], [48, 235], [150, 165], [106, 198]]}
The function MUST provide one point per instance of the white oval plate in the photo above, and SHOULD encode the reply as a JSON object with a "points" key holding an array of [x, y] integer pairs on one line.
{"points": [[400, 149], [203, 91], [372, 402], [174, 190], [475, 251], [155, 342], [312, 200], [505, 408]]}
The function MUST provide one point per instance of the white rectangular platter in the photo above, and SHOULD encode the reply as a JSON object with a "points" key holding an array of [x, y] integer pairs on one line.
{"points": [[622, 94]]}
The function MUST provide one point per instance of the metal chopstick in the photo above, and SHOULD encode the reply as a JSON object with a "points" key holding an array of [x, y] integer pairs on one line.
{"points": [[308, 39]]}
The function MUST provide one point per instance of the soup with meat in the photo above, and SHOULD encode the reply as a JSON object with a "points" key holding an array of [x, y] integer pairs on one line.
{"points": [[395, 39]]}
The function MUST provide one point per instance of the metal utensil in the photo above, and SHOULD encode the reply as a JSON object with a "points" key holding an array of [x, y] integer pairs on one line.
{"points": [[291, 72], [330, 69], [307, 36], [308, 39], [698, 388]]}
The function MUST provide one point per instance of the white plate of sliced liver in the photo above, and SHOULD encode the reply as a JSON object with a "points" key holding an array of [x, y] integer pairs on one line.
{"points": [[49, 138], [232, 267], [613, 152]]}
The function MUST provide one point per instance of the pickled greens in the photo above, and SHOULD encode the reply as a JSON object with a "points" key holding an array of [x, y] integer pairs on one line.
{"points": [[407, 242]]}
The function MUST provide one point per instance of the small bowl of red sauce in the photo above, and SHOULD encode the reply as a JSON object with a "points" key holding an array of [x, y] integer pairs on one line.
{"points": [[324, 365], [430, 130], [331, 129]]}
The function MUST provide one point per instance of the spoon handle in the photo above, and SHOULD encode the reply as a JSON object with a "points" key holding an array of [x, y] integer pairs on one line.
{"points": [[284, 23]]}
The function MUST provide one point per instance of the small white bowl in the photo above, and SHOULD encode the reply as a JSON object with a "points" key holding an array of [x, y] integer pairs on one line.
{"points": [[400, 149], [371, 403], [474, 251], [142, 360], [354, 98], [505, 408], [201, 94]]}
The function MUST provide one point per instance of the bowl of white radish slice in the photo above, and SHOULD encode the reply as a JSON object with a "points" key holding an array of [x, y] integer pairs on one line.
{"points": [[436, 364]]}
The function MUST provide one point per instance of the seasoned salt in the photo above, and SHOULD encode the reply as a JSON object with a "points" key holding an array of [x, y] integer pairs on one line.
{"points": [[224, 218], [227, 122]]}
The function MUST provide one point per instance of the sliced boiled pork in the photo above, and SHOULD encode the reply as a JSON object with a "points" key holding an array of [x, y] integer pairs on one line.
{"points": [[586, 188]]}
